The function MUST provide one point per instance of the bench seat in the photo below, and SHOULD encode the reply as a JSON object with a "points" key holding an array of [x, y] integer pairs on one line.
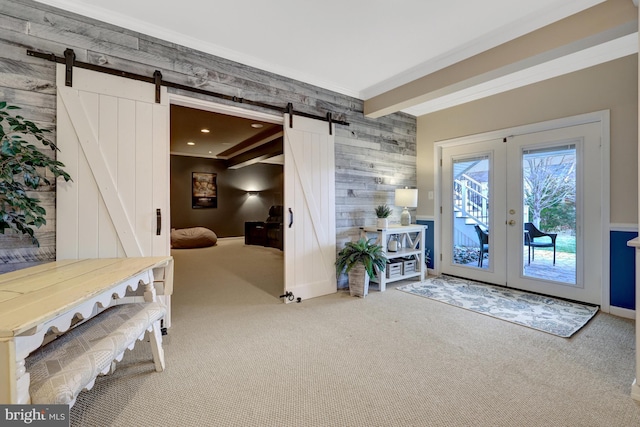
{"points": [[63, 368]]}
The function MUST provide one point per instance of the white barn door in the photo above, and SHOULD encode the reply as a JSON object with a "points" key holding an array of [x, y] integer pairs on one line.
{"points": [[309, 202], [114, 142]]}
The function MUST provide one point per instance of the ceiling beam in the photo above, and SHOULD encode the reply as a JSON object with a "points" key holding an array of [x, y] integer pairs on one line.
{"points": [[252, 142], [601, 24], [255, 155]]}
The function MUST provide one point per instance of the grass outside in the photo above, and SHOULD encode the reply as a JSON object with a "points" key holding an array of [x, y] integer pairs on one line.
{"points": [[565, 242]]}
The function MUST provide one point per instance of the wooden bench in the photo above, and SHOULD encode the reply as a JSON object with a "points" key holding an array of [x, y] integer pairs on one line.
{"points": [[63, 368], [95, 309]]}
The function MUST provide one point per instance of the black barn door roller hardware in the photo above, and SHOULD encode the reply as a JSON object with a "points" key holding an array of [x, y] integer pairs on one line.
{"points": [[69, 60], [290, 297]]}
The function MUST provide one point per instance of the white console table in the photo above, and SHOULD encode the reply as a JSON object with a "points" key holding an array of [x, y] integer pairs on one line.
{"points": [[411, 238]]}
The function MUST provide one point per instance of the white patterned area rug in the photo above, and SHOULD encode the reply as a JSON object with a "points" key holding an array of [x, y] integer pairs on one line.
{"points": [[547, 314]]}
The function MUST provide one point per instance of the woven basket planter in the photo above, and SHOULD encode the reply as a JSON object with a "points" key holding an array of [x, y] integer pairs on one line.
{"points": [[358, 281]]}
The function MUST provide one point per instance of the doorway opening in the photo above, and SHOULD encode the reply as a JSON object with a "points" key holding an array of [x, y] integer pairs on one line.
{"points": [[308, 194], [239, 155]]}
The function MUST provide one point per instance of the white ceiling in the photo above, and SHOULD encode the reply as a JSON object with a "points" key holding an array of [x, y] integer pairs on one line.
{"points": [[359, 48], [225, 132]]}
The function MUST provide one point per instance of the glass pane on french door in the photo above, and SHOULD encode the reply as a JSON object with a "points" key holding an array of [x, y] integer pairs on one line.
{"points": [[473, 206], [471, 212], [549, 213]]}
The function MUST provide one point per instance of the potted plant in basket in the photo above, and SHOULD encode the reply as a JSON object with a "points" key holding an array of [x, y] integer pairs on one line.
{"points": [[383, 212], [360, 260]]}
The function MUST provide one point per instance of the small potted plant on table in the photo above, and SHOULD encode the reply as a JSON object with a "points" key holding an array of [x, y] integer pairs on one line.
{"points": [[383, 212], [360, 260]]}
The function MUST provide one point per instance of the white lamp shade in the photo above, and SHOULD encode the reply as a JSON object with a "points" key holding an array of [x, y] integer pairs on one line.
{"points": [[406, 197]]}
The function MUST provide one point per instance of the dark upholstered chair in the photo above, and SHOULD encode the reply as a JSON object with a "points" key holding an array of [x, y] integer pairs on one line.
{"points": [[274, 227], [266, 233], [530, 236], [483, 239]]}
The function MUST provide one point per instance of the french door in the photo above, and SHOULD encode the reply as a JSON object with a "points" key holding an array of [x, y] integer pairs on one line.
{"points": [[525, 212]]}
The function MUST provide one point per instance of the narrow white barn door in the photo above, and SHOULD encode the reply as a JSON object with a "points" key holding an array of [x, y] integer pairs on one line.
{"points": [[114, 142], [309, 201]]}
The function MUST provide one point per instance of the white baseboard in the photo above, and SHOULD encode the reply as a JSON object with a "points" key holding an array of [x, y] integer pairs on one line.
{"points": [[622, 312], [635, 390]]}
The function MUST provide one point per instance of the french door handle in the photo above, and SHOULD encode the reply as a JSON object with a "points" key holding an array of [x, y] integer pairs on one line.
{"points": [[512, 222], [290, 217], [158, 222]]}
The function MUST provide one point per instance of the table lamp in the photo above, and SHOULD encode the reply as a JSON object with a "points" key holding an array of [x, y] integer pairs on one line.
{"points": [[407, 198]]}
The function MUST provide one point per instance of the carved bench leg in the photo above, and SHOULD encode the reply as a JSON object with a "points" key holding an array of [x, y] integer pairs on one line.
{"points": [[14, 378], [155, 339], [112, 368]]}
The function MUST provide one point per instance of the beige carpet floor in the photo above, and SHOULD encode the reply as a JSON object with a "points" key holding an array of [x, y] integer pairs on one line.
{"points": [[237, 356]]}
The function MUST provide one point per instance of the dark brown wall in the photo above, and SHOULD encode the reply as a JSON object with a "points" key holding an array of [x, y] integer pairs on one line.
{"points": [[234, 204]]}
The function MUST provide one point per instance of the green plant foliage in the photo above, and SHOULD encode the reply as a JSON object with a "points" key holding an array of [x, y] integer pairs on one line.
{"points": [[383, 211], [361, 252], [559, 217], [23, 168]]}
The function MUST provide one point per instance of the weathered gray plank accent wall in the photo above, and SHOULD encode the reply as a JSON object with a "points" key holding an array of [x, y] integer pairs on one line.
{"points": [[373, 157]]}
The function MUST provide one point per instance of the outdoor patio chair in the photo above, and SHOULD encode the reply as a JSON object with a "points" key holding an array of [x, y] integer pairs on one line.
{"points": [[530, 236], [483, 238]]}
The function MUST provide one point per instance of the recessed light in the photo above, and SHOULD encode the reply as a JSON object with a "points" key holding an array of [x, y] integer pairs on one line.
{"points": [[257, 125], [204, 130], [191, 143], [209, 152]]}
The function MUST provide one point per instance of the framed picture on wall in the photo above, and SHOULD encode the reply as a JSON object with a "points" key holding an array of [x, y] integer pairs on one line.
{"points": [[204, 190]]}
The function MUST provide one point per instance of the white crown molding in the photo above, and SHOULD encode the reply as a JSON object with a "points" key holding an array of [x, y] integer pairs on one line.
{"points": [[231, 110], [165, 34], [473, 47], [614, 49]]}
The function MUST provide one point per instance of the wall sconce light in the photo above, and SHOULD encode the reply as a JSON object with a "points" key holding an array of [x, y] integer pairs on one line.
{"points": [[407, 198], [253, 193]]}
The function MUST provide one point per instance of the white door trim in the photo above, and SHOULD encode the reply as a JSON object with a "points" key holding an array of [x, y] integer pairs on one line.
{"points": [[603, 117], [201, 104]]}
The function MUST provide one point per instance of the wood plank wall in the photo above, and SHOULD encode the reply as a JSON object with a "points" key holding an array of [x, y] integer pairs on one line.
{"points": [[373, 157]]}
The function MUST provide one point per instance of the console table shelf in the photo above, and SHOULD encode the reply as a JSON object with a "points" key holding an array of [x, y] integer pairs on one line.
{"points": [[411, 238]]}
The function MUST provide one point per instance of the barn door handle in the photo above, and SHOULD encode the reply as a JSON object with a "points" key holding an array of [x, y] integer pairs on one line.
{"points": [[158, 222], [290, 217]]}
